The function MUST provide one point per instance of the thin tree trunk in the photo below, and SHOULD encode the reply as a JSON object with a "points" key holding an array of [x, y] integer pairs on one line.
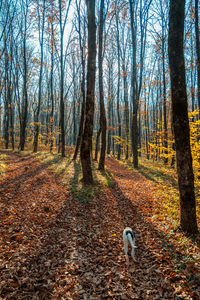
{"points": [[165, 137], [81, 123], [36, 119], [118, 91], [134, 125], [165, 113], [6, 101], [10, 95], [101, 92], [25, 93], [97, 144], [62, 106], [52, 101], [109, 111], [126, 110], [146, 116]]}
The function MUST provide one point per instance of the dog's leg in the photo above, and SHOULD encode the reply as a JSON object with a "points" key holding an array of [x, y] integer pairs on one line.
{"points": [[126, 249], [131, 239], [133, 254]]}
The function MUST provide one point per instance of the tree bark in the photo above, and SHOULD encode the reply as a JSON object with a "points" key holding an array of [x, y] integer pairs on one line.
{"points": [[126, 109], [81, 123], [62, 105], [97, 144], [52, 84], [86, 144], [6, 101], [110, 106], [188, 220], [25, 93], [41, 38], [134, 125], [197, 51], [118, 90], [101, 93], [165, 137]]}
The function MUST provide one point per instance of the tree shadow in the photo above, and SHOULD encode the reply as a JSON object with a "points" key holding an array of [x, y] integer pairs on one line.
{"points": [[151, 174], [74, 251], [165, 251]]}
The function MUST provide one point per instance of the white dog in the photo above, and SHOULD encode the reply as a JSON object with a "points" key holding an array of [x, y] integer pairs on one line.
{"points": [[129, 236]]}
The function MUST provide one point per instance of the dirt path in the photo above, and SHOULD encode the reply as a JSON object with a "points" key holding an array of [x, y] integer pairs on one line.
{"points": [[54, 247]]}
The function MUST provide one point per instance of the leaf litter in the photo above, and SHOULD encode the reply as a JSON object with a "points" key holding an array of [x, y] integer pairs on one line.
{"points": [[54, 246]]}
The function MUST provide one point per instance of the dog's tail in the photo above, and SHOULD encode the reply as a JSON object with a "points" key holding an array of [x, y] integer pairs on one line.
{"points": [[131, 240]]}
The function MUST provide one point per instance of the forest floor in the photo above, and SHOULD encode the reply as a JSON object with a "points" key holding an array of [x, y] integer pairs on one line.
{"points": [[62, 241]]}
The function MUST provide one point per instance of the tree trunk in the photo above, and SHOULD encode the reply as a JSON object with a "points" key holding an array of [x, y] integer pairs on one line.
{"points": [[62, 106], [97, 144], [86, 144], [110, 107], [126, 110], [197, 51], [25, 93], [6, 101], [51, 89], [188, 220], [146, 122], [118, 91], [81, 123], [101, 93], [36, 119], [134, 125], [165, 137], [165, 144]]}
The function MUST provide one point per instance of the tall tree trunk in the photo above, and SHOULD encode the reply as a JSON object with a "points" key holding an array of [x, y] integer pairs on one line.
{"points": [[6, 97], [62, 106], [109, 116], [165, 144], [188, 220], [10, 97], [36, 117], [146, 122], [134, 125], [197, 50], [101, 93], [118, 90], [25, 93], [126, 109], [51, 91], [51, 77], [192, 75], [165, 137], [81, 123], [74, 120], [86, 144]]}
